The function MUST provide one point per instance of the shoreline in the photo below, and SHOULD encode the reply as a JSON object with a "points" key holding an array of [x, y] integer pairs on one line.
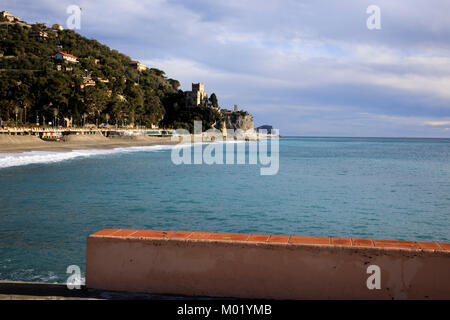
{"points": [[10, 144], [97, 143]]}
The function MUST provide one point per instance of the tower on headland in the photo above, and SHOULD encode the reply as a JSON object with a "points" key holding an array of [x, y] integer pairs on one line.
{"points": [[196, 97], [198, 87]]}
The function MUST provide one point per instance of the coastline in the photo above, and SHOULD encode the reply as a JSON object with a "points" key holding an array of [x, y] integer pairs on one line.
{"points": [[15, 144], [18, 150], [97, 142]]}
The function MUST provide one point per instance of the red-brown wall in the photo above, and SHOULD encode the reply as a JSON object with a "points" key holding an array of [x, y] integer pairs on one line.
{"points": [[263, 266]]}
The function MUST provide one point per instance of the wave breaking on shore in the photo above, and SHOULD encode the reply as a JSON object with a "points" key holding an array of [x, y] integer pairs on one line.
{"points": [[40, 157], [8, 160]]}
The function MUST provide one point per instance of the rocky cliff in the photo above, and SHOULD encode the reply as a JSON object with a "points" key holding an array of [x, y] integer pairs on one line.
{"points": [[238, 120]]}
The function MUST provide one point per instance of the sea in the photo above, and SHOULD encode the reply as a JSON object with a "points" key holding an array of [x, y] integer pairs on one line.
{"points": [[382, 188]]}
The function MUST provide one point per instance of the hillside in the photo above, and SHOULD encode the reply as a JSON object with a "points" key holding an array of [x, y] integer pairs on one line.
{"points": [[102, 87]]}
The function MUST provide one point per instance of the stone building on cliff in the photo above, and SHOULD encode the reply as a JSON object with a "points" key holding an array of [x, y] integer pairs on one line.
{"points": [[197, 97]]}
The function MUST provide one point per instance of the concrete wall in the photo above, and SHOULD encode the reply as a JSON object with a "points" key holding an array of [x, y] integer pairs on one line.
{"points": [[263, 266]]}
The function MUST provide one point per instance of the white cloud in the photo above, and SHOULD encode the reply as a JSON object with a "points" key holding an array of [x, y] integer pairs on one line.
{"points": [[437, 123]]}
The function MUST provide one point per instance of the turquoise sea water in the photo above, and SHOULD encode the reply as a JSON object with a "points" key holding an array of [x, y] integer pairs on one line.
{"points": [[346, 187]]}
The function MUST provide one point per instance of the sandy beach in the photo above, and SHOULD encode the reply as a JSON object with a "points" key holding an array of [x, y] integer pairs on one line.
{"points": [[19, 144]]}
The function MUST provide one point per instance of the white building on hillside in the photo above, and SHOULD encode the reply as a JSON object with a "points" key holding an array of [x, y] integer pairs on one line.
{"points": [[57, 27], [66, 57], [138, 66]]}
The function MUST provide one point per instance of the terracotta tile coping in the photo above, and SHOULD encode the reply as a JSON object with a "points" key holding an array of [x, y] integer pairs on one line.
{"points": [[280, 239]]}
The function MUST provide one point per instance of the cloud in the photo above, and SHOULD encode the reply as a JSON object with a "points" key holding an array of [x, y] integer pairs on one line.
{"points": [[437, 123]]}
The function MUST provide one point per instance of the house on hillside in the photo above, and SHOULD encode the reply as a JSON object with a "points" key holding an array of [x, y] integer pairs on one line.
{"points": [[66, 57], [138, 66], [101, 79], [121, 98], [38, 34], [88, 82], [9, 17], [57, 27]]}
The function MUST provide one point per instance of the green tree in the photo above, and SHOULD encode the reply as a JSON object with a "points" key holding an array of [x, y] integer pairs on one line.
{"points": [[174, 83], [213, 101]]}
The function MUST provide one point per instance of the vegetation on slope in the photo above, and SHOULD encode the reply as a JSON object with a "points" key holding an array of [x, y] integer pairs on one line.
{"points": [[36, 87]]}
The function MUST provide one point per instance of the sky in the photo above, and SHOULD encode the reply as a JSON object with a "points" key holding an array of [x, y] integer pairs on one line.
{"points": [[306, 67]]}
